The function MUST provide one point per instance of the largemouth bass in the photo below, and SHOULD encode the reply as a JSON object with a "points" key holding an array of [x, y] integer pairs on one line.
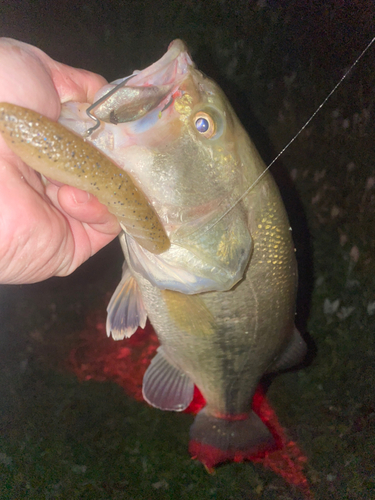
{"points": [[222, 297]]}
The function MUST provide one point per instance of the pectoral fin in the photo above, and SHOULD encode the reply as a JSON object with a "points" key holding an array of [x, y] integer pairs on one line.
{"points": [[125, 310], [165, 386]]}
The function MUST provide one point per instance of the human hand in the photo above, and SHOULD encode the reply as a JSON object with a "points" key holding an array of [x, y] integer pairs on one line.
{"points": [[44, 230]]}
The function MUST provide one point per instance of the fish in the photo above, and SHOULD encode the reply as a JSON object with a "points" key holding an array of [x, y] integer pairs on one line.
{"points": [[221, 297]]}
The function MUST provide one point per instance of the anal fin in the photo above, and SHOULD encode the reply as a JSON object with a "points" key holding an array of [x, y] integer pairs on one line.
{"points": [[165, 386]]}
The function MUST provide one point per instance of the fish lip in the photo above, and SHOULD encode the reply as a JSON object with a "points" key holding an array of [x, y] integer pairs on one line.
{"points": [[165, 76], [170, 69]]}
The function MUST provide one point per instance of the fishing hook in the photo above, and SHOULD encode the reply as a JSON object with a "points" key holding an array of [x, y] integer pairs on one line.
{"points": [[99, 101]]}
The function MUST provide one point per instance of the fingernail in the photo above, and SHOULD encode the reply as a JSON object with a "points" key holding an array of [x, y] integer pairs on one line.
{"points": [[81, 197]]}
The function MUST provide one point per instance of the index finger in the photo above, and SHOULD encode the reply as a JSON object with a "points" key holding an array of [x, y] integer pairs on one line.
{"points": [[30, 78]]}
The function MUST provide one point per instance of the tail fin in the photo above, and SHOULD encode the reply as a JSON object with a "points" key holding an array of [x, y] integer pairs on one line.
{"points": [[215, 440]]}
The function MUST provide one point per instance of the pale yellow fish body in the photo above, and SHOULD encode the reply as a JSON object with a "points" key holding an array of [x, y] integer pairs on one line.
{"points": [[222, 298]]}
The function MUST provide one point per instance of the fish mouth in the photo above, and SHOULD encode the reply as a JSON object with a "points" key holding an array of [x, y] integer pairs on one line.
{"points": [[171, 67], [131, 98]]}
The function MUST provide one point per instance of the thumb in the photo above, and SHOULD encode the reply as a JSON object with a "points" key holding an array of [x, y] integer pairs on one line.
{"points": [[84, 207]]}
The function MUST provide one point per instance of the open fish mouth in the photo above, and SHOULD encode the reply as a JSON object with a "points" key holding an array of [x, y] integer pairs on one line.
{"points": [[173, 64], [129, 99]]}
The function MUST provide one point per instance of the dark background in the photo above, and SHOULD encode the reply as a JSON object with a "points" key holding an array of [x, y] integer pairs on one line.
{"points": [[276, 61]]}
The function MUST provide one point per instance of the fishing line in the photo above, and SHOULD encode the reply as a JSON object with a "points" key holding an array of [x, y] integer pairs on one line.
{"points": [[295, 137], [282, 151]]}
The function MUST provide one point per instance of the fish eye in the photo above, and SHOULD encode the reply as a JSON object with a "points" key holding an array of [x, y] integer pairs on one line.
{"points": [[205, 124]]}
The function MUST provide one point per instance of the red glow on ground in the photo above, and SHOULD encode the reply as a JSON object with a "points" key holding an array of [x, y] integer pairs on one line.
{"points": [[125, 362]]}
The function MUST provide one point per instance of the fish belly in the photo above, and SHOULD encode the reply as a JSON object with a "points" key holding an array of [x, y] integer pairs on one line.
{"points": [[227, 353], [224, 342]]}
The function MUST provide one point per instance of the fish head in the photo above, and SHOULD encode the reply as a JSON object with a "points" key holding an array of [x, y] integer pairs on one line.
{"points": [[173, 130]]}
